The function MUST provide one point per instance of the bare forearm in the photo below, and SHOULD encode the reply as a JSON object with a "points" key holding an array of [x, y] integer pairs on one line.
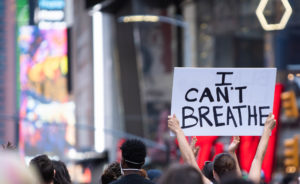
{"points": [[262, 146], [185, 149], [255, 170], [188, 155]]}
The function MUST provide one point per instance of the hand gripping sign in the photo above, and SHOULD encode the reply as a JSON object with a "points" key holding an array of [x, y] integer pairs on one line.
{"points": [[223, 101]]}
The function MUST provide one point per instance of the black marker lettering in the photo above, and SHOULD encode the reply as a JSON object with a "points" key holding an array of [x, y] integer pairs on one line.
{"points": [[261, 116], [230, 116], [206, 93], [223, 78], [224, 95], [240, 89], [239, 111], [254, 115], [184, 117], [216, 116], [203, 115], [190, 99]]}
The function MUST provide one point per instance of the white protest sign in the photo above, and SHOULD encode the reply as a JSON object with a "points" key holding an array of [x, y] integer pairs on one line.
{"points": [[223, 101]]}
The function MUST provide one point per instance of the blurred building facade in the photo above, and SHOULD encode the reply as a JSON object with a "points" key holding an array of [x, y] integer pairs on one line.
{"points": [[81, 48], [8, 100]]}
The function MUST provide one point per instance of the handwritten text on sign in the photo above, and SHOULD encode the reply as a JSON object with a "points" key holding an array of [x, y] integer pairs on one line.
{"points": [[223, 101]]}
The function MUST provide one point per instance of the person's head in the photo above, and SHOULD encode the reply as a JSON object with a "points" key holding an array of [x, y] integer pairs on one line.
{"points": [[223, 165], [44, 167], [208, 171], [111, 173], [133, 154], [62, 175], [181, 174], [292, 178]]}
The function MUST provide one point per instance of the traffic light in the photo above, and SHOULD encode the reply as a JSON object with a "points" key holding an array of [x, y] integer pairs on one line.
{"points": [[289, 103], [291, 161]]}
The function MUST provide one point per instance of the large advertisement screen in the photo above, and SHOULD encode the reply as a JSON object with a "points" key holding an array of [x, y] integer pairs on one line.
{"points": [[46, 112]]}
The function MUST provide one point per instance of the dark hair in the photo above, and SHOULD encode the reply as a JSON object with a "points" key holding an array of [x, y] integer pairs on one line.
{"points": [[62, 175], [181, 174], [208, 171], [289, 178], [224, 164], [134, 153], [44, 167], [235, 180], [111, 173]]}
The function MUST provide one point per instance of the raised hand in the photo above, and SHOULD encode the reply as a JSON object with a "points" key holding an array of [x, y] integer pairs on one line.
{"points": [[194, 148], [173, 124], [234, 144], [270, 123], [187, 153], [231, 150], [255, 170]]}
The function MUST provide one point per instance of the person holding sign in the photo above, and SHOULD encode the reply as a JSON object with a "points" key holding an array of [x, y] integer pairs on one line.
{"points": [[220, 168], [255, 170]]}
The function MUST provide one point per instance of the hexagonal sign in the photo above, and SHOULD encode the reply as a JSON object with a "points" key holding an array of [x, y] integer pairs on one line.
{"points": [[284, 19]]}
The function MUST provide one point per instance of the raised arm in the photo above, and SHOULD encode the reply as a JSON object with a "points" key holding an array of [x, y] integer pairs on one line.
{"points": [[193, 146], [231, 150], [255, 170], [185, 149]]}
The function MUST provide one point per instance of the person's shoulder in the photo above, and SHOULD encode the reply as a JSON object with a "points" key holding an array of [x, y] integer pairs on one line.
{"points": [[146, 181], [115, 182], [119, 181], [132, 178]]}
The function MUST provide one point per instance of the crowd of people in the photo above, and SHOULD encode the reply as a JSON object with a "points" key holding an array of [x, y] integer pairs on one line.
{"points": [[41, 170], [224, 169]]}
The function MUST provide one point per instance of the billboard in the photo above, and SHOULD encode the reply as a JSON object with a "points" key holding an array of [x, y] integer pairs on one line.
{"points": [[47, 120]]}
